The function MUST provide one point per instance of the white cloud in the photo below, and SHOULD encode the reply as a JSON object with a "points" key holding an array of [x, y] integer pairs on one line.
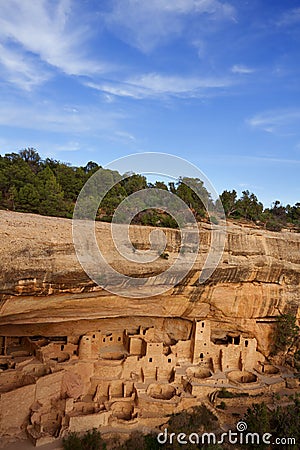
{"points": [[46, 116], [47, 30], [156, 85], [290, 17], [240, 69], [286, 121], [20, 71], [145, 24], [268, 160], [71, 146], [125, 135]]}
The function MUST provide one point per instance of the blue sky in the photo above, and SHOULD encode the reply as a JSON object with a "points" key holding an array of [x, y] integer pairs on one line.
{"points": [[215, 82]]}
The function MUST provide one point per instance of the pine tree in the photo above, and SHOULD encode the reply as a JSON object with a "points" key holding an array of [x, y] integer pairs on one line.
{"points": [[51, 194]]}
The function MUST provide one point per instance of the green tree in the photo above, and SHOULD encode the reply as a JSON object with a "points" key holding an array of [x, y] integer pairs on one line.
{"points": [[270, 221], [71, 180], [32, 158], [138, 441], [279, 211], [283, 422], [12, 197], [158, 185], [17, 171], [285, 334], [229, 199], [249, 207], [112, 199], [51, 163], [193, 192], [258, 421], [91, 440], [28, 199], [91, 168], [293, 214], [72, 442], [51, 194], [133, 183]]}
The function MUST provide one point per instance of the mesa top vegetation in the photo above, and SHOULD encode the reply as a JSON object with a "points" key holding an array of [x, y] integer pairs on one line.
{"points": [[50, 187]]}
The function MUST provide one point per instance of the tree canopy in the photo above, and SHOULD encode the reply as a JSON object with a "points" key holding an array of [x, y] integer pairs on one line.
{"points": [[51, 187]]}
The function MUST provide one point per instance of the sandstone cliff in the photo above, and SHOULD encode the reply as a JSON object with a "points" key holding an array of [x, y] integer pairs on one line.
{"points": [[44, 290]]}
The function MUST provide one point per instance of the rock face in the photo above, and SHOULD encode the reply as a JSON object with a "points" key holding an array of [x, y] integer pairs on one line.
{"points": [[73, 356], [44, 291]]}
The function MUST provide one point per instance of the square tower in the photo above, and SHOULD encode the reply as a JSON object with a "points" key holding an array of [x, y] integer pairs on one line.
{"points": [[200, 342]]}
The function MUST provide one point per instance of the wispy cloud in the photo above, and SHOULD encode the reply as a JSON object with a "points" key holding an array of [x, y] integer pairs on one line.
{"points": [[46, 116], [289, 17], [24, 72], [268, 160], [146, 24], [152, 85], [241, 69], [125, 135], [71, 146], [277, 121], [48, 31]]}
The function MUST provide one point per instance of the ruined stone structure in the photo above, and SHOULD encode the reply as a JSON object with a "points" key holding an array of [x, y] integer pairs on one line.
{"points": [[103, 378], [74, 357], [111, 379]]}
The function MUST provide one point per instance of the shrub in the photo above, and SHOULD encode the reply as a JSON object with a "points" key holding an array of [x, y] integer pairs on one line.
{"points": [[222, 405], [189, 422], [225, 394], [214, 220], [281, 422], [273, 225], [285, 334], [164, 255], [137, 441], [91, 440], [72, 442]]}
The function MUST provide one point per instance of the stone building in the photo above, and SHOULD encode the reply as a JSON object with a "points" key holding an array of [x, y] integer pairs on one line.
{"points": [[105, 377]]}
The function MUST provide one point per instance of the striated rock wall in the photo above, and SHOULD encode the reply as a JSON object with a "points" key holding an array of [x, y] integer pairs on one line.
{"points": [[44, 291]]}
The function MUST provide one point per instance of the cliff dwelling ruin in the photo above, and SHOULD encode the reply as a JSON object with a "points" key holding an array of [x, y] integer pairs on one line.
{"points": [[112, 379], [74, 357]]}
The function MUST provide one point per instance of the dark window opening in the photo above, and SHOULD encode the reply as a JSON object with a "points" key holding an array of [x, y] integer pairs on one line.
{"points": [[246, 343], [202, 324], [62, 347], [236, 340], [150, 359], [169, 360], [119, 338], [201, 355]]}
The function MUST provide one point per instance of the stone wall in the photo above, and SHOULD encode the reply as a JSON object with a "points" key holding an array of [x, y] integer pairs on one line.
{"points": [[15, 409]]}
